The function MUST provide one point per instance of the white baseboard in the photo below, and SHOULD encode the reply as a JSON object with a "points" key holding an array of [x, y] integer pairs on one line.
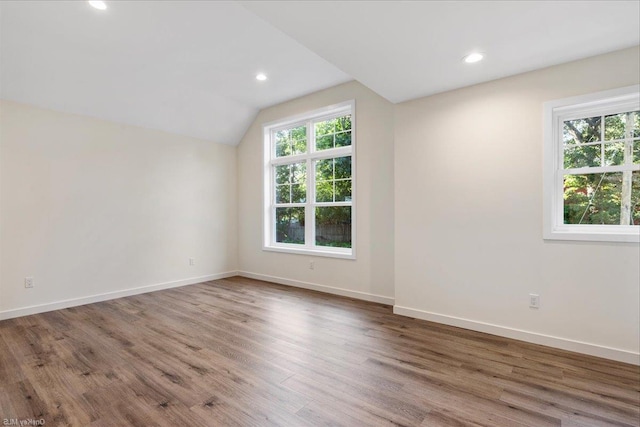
{"points": [[503, 331], [321, 288], [57, 305], [531, 337]]}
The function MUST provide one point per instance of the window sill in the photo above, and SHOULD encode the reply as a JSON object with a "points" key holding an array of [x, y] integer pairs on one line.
{"points": [[328, 252], [591, 233]]}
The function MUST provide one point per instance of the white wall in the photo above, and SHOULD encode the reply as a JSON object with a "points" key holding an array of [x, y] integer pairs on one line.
{"points": [[468, 228], [370, 276], [90, 207]]}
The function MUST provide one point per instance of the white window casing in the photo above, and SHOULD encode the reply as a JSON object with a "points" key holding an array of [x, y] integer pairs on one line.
{"points": [[556, 114], [309, 158]]}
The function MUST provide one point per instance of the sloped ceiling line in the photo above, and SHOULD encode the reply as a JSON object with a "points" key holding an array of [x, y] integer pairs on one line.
{"points": [[188, 67]]}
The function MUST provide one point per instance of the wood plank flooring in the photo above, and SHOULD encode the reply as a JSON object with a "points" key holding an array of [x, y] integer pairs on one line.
{"points": [[240, 352]]}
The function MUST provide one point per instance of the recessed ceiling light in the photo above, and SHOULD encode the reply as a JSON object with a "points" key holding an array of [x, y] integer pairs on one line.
{"points": [[100, 5], [473, 57], [261, 76]]}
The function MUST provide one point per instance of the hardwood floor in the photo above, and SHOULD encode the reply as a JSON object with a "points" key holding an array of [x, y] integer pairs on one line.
{"points": [[240, 352]]}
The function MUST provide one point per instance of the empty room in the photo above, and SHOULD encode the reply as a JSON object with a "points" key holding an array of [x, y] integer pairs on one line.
{"points": [[320, 213]]}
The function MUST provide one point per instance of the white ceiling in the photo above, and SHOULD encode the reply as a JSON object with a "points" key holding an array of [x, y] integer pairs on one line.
{"points": [[188, 67], [408, 49]]}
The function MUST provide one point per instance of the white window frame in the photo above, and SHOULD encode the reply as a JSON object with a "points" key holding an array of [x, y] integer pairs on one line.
{"points": [[555, 114], [270, 160]]}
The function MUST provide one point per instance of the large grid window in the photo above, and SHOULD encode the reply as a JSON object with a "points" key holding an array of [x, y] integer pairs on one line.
{"points": [[309, 183], [592, 167]]}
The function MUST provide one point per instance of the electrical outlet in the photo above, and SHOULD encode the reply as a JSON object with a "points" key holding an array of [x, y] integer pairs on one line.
{"points": [[28, 282], [312, 265], [534, 301], [192, 261]]}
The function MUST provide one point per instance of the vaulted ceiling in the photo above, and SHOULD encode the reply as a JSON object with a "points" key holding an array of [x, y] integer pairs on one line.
{"points": [[408, 49], [189, 67]]}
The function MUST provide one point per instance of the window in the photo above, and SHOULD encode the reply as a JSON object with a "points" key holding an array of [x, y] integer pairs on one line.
{"points": [[309, 192], [592, 167]]}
